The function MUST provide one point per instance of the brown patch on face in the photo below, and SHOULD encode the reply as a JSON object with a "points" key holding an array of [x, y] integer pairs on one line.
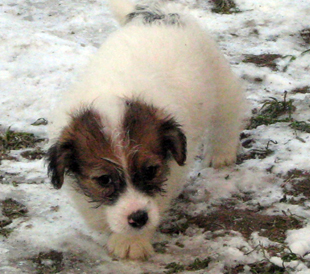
{"points": [[147, 140], [91, 144], [86, 151], [153, 136], [142, 125]]}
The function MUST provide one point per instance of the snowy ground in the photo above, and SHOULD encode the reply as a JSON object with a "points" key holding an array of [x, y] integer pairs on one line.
{"points": [[251, 218]]}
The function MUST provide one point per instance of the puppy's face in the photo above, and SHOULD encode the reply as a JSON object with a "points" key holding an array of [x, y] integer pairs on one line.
{"points": [[123, 167]]}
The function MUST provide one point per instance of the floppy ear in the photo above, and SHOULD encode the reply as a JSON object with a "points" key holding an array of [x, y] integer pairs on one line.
{"points": [[76, 144], [60, 158], [174, 140]]}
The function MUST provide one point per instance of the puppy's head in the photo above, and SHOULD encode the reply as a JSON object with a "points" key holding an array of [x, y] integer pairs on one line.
{"points": [[123, 167]]}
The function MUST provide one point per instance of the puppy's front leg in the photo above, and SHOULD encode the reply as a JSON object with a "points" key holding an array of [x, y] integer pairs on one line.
{"points": [[134, 247], [226, 123]]}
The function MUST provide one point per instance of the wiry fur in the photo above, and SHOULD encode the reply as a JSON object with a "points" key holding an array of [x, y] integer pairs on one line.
{"points": [[155, 90]]}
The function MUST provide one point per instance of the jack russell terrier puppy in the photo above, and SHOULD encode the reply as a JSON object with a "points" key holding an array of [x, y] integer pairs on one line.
{"points": [[124, 137]]}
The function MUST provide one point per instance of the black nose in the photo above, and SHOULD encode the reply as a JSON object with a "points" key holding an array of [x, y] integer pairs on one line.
{"points": [[138, 219]]}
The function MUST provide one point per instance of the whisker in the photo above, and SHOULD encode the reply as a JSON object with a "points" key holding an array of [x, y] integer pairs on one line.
{"points": [[110, 161]]}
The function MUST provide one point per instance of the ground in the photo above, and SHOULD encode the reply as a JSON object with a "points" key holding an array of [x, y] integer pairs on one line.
{"points": [[252, 217]]}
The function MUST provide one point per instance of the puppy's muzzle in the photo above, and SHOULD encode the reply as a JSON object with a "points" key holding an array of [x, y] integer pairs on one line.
{"points": [[138, 219]]}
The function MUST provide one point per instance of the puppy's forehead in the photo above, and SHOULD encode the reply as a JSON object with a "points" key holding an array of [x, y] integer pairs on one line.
{"points": [[87, 134], [99, 134], [141, 123]]}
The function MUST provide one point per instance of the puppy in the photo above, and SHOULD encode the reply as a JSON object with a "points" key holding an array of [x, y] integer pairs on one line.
{"points": [[125, 135]]}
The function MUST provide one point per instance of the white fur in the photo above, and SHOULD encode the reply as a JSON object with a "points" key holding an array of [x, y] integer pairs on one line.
{"points": [[120, 9], [131, 201], [179, 69]]}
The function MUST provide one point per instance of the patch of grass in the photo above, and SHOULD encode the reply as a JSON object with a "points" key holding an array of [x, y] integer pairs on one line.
{"points": [[35, 154], [269, 60], [13, 209], [290, 256], [5, 232], [265, 120], [263, 60], [300, 182], [179, 244], [292, 201], [271, 111], [266, 266], [305, 52], [197, 264], [297, 174], [225, 7], [10, 140], [177, 224], [292, 58], [235, 270], [303, 90], [5, 222], [301, 126], [305, 35], [255, 153], [263, 267], [174, 268], [160, 247], [227, 217], [48, 262], [274, 108], [275, 227]]}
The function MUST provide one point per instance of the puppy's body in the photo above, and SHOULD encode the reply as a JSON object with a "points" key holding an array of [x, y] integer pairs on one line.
{"points": [[154, 91]]}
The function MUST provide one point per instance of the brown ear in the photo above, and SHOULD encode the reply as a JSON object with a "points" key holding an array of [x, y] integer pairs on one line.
{"points": [[174, 140], [60, 158], [79, 143]]}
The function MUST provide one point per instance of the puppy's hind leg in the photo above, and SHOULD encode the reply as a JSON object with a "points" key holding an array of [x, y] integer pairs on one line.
{"points": [[226, 123]]}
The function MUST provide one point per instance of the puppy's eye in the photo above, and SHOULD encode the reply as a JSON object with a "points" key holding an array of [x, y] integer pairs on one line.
{"points": [[104, 180], [150, 172]]}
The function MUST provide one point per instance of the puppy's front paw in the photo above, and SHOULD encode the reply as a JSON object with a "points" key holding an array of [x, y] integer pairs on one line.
{"points": [[218, 159], [221, 160], [133, 248]]}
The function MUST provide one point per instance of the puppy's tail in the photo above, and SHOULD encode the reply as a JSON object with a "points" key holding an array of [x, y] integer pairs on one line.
{"points": [[120, 9]]}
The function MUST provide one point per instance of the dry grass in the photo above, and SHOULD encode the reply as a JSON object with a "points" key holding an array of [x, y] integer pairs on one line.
{"points": [[225, 7]]}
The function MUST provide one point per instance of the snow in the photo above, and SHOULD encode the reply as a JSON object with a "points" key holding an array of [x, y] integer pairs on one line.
{"points": [[297, 241], [44, 44]]}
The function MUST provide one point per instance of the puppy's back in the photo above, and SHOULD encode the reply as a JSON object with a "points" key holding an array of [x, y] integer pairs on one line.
{"points": [[159, 51], [121, 9], [162, 55]]}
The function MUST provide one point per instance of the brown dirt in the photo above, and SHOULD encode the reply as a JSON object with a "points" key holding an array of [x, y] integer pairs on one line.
{"points": [[300, 182], [303, 90], [259, 267], [228, 218], [49, 262], [262, 60], [35, 154]]}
